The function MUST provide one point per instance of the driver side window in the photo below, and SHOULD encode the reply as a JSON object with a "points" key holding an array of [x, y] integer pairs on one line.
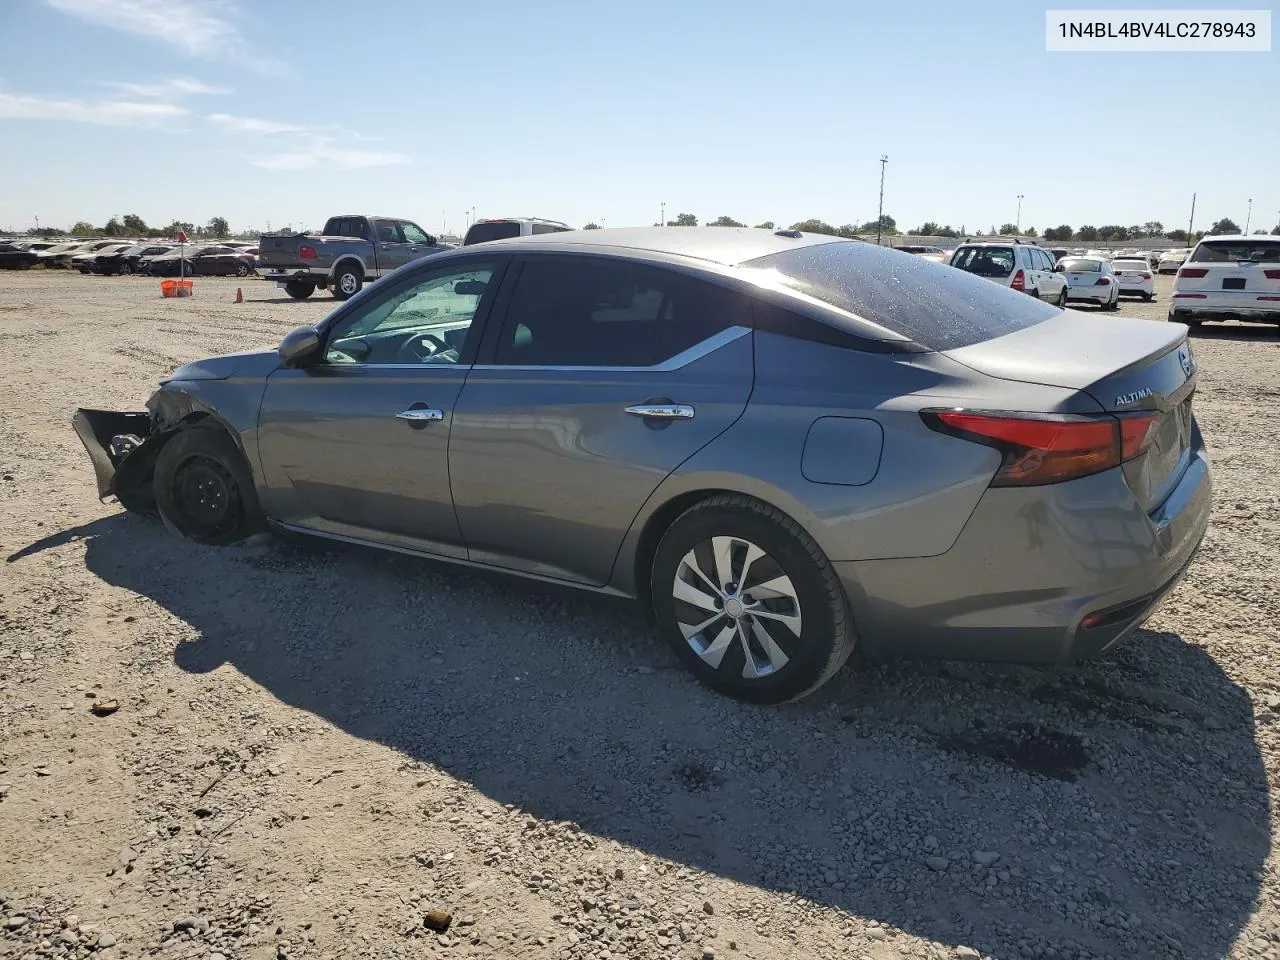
{"points": [[427, 322]]}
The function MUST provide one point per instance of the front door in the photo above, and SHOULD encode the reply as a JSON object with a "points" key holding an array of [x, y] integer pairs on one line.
{"points": [[604, 376], [357, 444], [393, 252]]}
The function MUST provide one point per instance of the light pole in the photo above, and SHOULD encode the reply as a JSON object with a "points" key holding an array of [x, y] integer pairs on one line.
{"points": [[884, 159], [662, 216], [1017, 221], [1248, 217]]}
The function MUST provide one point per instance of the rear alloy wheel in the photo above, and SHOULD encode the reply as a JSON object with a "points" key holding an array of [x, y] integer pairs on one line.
{"points": [[242, 269], [299, 289], [749, 603], [347, 283], [203, 489]]}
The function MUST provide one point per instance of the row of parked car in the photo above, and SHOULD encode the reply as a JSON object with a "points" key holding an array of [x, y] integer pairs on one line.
{"points": [[1221, 278], [115, 257]]}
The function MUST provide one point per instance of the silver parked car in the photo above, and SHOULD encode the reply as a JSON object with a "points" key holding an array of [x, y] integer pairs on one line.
{"points": [[781, 444]]}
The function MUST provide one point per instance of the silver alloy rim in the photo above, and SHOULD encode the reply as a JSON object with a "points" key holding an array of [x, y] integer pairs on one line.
{"points": [[348, 283], [731, 593]]}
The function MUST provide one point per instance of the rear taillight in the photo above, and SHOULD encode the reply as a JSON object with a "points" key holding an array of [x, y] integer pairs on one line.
{"points": [[1019, 281], [1145, 276], [1192, 273], [1271, 274], [307, 253], [1045, 448], [1102, 282]]}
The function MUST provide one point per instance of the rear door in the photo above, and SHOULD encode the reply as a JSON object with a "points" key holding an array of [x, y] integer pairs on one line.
{"points": [[604, 376]]}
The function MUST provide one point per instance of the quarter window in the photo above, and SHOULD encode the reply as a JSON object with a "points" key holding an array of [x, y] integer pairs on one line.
{"points": [[428, 321], [594, 312]]}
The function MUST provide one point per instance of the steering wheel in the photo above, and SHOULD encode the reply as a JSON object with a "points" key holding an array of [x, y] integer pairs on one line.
{"points": [[422, 347]]}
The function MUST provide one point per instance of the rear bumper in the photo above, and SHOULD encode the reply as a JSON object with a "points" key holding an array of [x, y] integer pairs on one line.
{"points": [[1089, 294], [1146, 287], [285, 274], [1224, 304], [1028, 569]]}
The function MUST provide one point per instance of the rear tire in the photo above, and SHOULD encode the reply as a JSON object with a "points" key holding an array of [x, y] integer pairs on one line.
{"points": [[347, 283], [792, 630], [1148, 297], [242, 269], [299, 289], [1062, 299], [1112, 305], [203, 488]]}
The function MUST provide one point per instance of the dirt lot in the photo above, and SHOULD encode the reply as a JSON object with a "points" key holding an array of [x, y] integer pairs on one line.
{"points": [[314, 747]]}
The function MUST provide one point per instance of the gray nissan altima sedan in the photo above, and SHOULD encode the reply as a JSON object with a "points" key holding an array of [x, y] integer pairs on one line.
{"points": [[780, 444]]}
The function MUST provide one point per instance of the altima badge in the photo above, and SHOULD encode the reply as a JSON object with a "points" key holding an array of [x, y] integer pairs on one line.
{"points": [[1127, 398]]}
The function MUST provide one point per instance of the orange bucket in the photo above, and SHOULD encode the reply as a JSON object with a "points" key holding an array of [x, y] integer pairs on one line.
{"points": [[175, 288]]}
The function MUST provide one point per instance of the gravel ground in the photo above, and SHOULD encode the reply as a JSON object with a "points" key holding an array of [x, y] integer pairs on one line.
{"points": [[315, 750]]}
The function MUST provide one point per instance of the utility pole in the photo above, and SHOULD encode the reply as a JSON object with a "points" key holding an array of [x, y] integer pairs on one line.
{"points": [[1017, 221], [1248, 218], [662, 217], [1193, 217], [884, 159]]}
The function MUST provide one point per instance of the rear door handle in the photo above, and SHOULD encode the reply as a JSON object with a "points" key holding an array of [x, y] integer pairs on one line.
{"points": [[420, 415], [662, 411]]}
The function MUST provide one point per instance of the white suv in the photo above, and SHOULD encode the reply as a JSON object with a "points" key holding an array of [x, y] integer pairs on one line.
{"points": [[1018, 264], [504, 228], [1229, 278]]}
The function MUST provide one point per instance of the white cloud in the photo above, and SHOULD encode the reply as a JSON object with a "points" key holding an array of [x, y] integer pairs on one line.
{"points": [[253, 124], [324, 155], [198, 27], [168, 89], [114, 113]]}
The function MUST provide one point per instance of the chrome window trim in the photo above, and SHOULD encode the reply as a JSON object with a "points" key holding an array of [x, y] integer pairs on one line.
{"points": [[681, 359]]}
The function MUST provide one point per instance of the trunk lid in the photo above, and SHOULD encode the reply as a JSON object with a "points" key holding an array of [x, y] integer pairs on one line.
{"points": [[1125, 365]]}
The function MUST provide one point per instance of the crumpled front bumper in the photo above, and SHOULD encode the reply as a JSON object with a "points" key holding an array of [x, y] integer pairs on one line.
{"points": [[125, 476]]}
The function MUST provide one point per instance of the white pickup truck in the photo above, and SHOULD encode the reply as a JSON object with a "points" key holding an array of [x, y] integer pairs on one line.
{"points": [[349, 252]]}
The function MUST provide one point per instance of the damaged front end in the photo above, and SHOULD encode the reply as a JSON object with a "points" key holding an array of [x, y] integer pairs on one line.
{"points": [[123, 448]]}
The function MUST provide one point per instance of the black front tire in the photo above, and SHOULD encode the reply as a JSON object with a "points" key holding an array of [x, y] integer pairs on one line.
{"points": [[299, 289], [203, 488], [346, 283], [827, 636]]}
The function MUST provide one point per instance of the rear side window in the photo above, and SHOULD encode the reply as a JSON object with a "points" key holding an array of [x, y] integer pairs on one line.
{"points": [[494, 230], [984, 261], [930, 303], [1233, 251], [595, 312], [548, 228]]}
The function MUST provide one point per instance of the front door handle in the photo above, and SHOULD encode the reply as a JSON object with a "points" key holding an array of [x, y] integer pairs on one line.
{"points": [[417, 415], [662, 411]]}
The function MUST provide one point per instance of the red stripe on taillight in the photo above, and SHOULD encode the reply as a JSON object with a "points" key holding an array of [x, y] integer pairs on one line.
{"points": [[307, 253], [1145, 276], [1019, 281], [1271, 274], [1040, 449], [1192, 272]]}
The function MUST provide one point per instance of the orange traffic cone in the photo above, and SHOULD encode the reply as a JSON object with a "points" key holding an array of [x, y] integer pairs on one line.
{"points": [[239, 295]]}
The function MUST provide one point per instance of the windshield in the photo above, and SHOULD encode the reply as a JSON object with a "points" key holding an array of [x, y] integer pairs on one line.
{"points": [[923, 300], [497, 230], [1081, 266], [984, 261], [1234, 251]]}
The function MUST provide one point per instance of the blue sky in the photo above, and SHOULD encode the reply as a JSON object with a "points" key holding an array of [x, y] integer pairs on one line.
{"points": [[278, 113]]}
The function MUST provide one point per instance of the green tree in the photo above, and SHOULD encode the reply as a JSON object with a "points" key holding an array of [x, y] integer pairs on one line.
{"points": [[1062, 232], [767, 225], [1031, 232], [926, 229], [683, 220], [596, 226], [135, 225], [725, 222], [1225, 225], [886, 225], [1009, 230], [947, 231], [1087, 234], [1276, 230], [1177, 236], [114, 228], [1136, 232], [1112, 231], [814, 226], [84, 229], [218, 228], [1153, 228]]}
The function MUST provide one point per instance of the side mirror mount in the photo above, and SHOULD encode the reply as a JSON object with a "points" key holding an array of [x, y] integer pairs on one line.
{"points": [[298, 346]]}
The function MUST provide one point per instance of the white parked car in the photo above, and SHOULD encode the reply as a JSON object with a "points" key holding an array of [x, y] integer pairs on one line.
{"points": [[1135, 277], [1018, 265], [1229, 278], [1100, 254], [1090, 280], [1171, 260]]}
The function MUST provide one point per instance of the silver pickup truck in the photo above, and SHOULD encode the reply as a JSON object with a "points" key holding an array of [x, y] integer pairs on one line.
{"points": [[349, 252]]}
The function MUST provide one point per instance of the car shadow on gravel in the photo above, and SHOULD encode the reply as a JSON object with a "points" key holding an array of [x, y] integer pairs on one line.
{"points": [[1246, 332], [1114, 809]]}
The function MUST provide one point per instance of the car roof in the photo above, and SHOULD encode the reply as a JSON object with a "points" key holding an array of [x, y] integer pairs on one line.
{"points": [[1246, 237], [728, 246]]}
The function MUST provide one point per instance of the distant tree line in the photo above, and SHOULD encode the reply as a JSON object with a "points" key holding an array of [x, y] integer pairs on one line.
{"points": [[132, 225]]}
